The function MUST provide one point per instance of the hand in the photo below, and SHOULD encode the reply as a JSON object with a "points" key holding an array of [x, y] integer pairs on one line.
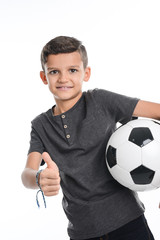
{"points": [[49, 178]]}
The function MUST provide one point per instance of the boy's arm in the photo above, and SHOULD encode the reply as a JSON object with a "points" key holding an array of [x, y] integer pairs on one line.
{"points": [[49, 178], [147, 109], [30, 171]]}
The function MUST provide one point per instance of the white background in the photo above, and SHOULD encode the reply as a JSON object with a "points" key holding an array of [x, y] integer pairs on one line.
{"points": [[123, 42]]}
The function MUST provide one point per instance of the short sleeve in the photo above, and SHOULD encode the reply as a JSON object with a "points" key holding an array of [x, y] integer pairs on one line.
{"points": [[36, 144], [120, 107]]}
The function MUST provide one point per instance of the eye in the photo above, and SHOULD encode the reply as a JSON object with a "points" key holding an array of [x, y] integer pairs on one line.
{"points": [[73, 70], [53, 72]]}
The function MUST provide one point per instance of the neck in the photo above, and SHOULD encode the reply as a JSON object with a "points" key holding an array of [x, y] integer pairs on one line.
{"points": [[64, 106]]}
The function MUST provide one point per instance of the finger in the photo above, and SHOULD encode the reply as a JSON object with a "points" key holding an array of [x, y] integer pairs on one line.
{"points": [[50, 163], [50, 194], [48, 189], [49, 173], [49, 181]]}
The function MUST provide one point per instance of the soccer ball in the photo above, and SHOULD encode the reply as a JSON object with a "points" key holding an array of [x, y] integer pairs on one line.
{"points": [[133, 155]]}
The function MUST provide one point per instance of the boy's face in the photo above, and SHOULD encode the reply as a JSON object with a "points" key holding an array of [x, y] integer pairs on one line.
{"points": [[64, 74]]}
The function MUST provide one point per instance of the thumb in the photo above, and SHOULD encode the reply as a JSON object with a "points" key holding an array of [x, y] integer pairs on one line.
{"points": [[50, 163]]}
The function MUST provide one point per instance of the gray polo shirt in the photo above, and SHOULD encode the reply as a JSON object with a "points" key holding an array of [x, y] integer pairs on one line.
{"points": [[93, 201]]}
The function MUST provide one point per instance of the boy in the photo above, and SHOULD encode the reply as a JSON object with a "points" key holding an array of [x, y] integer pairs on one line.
{"points": [[71, 138]]}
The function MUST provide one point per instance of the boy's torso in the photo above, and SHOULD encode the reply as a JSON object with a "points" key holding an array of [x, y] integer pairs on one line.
{"points": [[76, 141]]}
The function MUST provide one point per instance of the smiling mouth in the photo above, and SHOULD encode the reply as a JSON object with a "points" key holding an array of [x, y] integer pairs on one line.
{"points": [[64, 87]]}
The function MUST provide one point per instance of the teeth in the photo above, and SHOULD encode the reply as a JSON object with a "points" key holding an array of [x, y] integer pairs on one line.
{"points": [[64, 87]]}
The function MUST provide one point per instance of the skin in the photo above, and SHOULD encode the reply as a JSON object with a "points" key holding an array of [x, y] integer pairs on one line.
{"points": [[64, 74]]}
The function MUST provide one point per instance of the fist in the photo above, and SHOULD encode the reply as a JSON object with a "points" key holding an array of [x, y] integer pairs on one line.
{"points": [[49, 178]]}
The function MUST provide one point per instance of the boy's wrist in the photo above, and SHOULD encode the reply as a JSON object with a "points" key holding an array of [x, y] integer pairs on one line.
{"points": [[37, 178]]}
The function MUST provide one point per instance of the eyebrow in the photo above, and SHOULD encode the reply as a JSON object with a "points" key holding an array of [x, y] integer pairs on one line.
{"points": [[75, 66], [52, 68]]}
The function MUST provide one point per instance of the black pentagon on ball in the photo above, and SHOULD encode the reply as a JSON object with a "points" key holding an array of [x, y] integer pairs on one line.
{"points": [[141, 136], [111, 156], [142, 175]]}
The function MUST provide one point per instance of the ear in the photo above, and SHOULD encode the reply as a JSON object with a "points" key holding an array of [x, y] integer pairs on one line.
{"points": [[87, 74], [43, 77]]}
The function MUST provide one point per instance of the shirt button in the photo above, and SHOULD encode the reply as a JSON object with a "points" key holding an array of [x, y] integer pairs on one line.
{"points": [[68, 136], [65, 126], [63, 116]]}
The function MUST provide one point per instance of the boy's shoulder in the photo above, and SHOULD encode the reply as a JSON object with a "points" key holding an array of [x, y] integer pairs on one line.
{"points": [[39, 118], [100, 95], [97, 92]]}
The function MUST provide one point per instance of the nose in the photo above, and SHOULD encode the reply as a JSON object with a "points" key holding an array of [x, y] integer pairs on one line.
{"points": [[63, 78]]}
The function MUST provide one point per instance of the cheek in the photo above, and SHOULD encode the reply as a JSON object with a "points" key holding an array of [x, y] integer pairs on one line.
{"points": [[51, 84], [78, 84], [78, 80], [51, 81]]}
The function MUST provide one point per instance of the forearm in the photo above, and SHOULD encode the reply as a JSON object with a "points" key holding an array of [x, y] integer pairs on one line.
{"points": [[29, 178], [147, 109]]}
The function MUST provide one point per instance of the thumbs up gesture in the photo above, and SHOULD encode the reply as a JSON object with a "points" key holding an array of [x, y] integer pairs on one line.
{"points": [[49, 178]]}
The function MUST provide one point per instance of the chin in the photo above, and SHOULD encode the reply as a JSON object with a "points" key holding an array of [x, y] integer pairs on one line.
{"points": [[67, 96]]}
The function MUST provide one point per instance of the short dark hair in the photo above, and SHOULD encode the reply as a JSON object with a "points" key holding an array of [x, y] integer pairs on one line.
{"points": [[63, 44]]}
